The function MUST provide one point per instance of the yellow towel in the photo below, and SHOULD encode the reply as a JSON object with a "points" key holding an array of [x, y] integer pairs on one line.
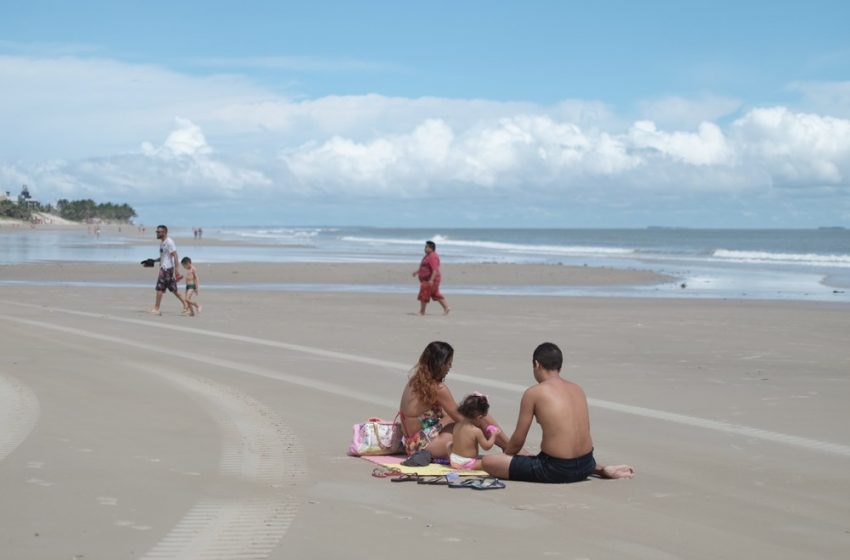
{"points": [[434, 469]]}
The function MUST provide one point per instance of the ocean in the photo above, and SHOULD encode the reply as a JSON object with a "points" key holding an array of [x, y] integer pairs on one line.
{"points": [[758, 264]]}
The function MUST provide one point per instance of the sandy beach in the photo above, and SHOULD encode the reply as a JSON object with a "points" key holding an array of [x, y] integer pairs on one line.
{"points": [[132, 436]]}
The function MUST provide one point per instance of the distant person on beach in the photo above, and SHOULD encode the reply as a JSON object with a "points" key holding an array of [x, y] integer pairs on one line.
{"points": [[468, 435], [429, 279], [560, 407], [193, 285], [428, 411], [168, 277]]}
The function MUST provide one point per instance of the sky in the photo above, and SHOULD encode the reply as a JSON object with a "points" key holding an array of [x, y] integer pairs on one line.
{"points": [[454, 114]]}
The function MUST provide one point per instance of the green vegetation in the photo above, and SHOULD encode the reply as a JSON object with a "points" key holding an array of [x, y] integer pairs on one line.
{"points": [[14, 210], [81, 210], [74, 210]]}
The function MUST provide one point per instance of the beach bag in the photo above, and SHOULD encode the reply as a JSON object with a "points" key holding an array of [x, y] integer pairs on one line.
{"points": [[376, 437]]}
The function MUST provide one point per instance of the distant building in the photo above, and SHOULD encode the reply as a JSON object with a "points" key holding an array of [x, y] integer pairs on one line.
{"points": [[26, 198]]}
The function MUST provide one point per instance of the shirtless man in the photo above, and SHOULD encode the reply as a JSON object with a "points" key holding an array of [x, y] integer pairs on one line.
{"points": [[560, 407]]}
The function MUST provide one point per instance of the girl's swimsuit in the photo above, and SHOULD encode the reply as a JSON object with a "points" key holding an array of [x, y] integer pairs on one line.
{"points": [[462, 463]]}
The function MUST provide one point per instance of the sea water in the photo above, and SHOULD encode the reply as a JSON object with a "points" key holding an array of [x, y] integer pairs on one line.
{"points": [[761, 264]]}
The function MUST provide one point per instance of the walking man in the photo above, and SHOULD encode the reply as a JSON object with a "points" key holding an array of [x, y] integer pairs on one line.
{"points": [[167, 279], [429, 279]]}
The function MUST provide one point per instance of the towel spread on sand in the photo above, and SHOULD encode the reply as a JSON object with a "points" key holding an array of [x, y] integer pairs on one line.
{"points": [[434, 469]]}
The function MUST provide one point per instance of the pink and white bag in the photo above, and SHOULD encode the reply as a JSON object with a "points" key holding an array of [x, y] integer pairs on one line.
{"points": [[376, 437]]}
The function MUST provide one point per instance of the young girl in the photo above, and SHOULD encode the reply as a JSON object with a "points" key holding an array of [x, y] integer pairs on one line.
{"points": [[468, 435], [193, 284]]}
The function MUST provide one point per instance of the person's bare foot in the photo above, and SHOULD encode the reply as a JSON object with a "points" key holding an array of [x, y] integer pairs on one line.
{"points": [[617, 471], [155, 311], [446, 310]]}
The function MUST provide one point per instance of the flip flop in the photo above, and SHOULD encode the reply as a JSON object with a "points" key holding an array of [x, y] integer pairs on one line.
{"points": [[407, 477], [434, 480], [384, 472], [487, 484], [464, 482]]}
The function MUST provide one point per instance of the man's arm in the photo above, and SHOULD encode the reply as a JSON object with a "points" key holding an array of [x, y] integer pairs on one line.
{"points": [[523, 423], [174, 263]]}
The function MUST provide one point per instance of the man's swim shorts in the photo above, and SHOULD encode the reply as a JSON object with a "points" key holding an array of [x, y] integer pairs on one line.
{"points": [[543, 468]]}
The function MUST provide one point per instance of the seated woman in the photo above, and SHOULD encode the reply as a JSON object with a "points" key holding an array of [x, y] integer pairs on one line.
{"points": [[428, 411]]}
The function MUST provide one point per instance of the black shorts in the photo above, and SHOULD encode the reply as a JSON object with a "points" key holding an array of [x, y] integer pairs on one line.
{"points": [[543, 468], [166, 280]]}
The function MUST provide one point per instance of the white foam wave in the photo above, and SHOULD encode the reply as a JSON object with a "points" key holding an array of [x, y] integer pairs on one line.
{"points": [[514, 248], [806, 259], [277, 234]]}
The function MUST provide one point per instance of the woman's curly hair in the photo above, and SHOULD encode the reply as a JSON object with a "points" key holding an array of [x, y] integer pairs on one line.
{"points": [[430, 371]]}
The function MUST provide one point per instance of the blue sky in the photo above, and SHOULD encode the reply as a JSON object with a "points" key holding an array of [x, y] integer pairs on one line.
{"points": [[480, 114]]}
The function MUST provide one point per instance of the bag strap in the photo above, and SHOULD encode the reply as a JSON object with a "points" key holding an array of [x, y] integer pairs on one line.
{"points": [[403, 427]]}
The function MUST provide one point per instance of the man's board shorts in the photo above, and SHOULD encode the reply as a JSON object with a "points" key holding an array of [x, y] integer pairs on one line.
{"points": [[166, 280], [551, 470]]}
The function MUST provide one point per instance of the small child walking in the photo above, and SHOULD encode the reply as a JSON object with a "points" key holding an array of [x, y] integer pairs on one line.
{"points": [[193, 285], [468, 435]]}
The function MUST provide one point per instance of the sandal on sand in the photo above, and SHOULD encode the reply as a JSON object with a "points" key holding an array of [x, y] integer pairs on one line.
{"points": [[478, 483], [465, 482], [407, 477], [434, 480], [385, 472], [487, 484]]}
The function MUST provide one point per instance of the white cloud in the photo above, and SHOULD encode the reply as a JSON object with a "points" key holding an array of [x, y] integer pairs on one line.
{"points": [[797, 149], [106, 129], [675, 111], [186, 140], [706, 147], [520, 151]]}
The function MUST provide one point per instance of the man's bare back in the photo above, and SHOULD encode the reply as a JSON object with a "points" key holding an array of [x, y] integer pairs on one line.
{"points": [[560, 407]]}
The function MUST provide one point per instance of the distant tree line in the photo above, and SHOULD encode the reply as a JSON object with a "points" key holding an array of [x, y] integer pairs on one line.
{"points": [[87, 209], [11, 209], [74, 210]]}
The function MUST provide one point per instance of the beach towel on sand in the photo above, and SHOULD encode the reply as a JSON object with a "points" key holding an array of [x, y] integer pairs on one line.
{"points": [[434, 469]]}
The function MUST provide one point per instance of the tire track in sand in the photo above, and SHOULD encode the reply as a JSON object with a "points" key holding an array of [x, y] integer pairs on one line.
{"points": [[19, 412], [257, 448]]}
